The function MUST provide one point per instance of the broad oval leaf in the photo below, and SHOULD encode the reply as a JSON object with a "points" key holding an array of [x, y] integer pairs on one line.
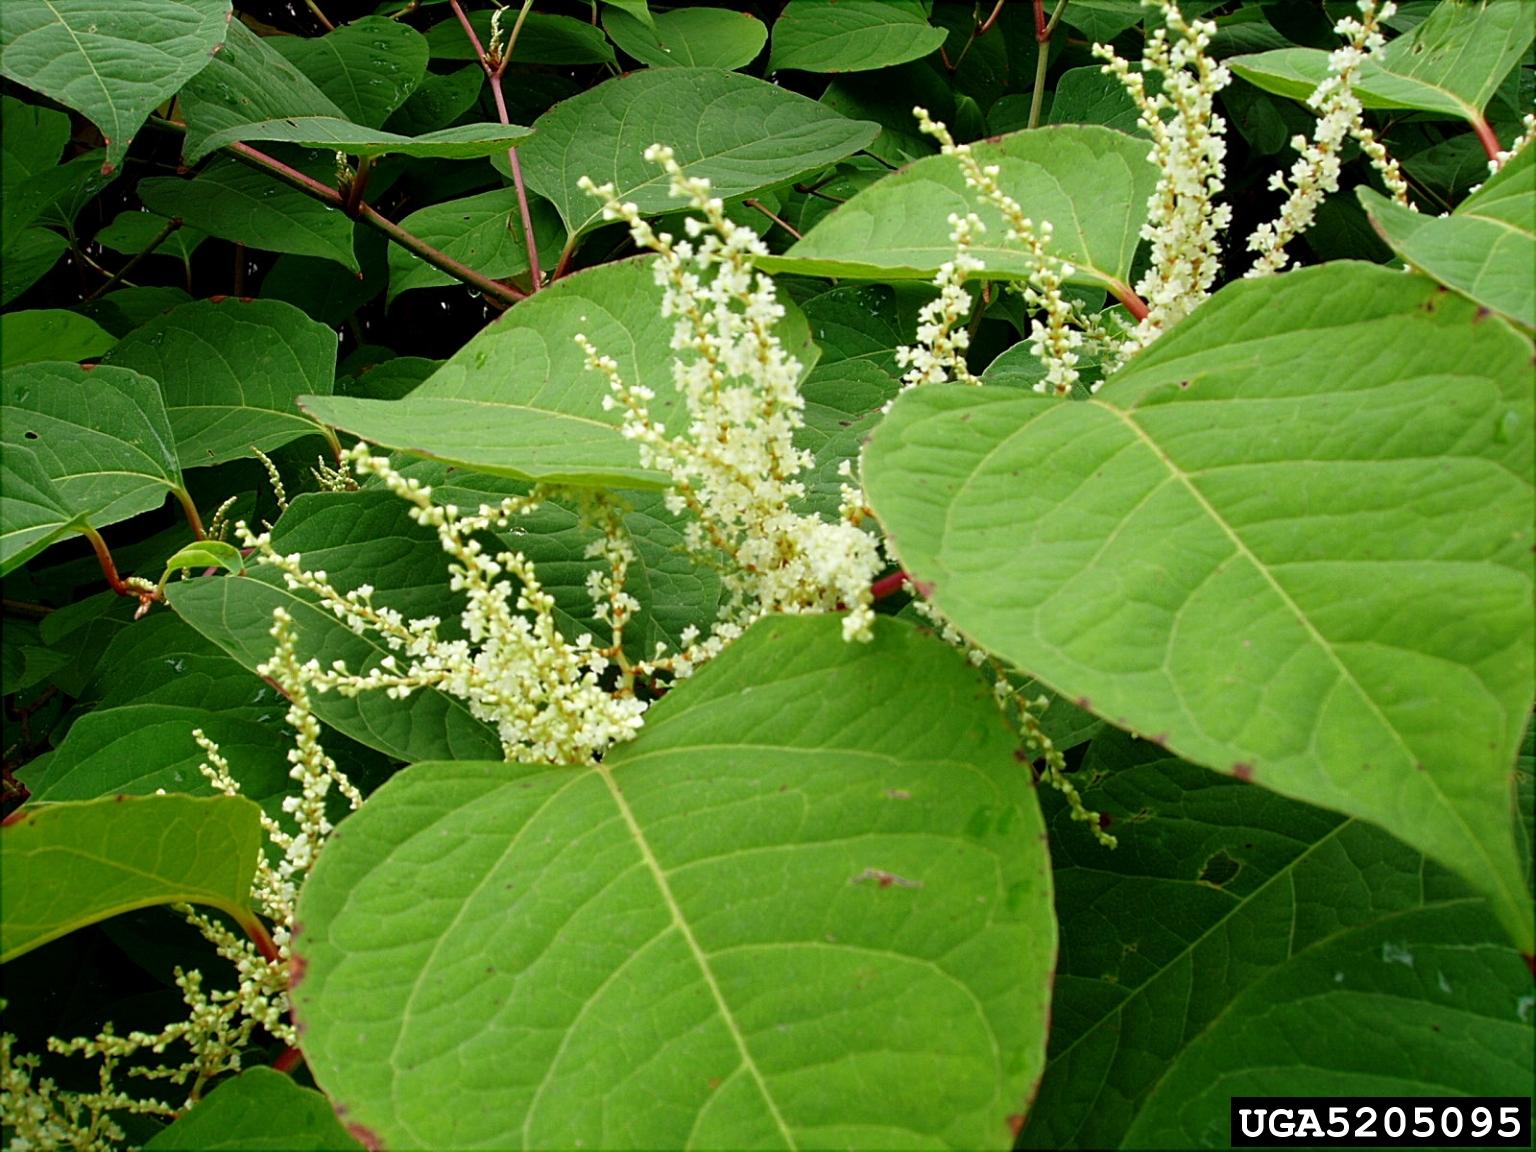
{"points": [[248, 80], [33, 513], [355, 538], [109, 458], [741, 133], [28, 259], [112, 63], [518, 400], [50, 334], [259, 1109], [63, 866], [236, 202], [367, 68], [1231, 917], [807, 906], [132, 232], [483, 231], [688, 37], [1293, 540], [230, 371], [1485, 249], [852, 35], [1091, 183], [1452, 63]]}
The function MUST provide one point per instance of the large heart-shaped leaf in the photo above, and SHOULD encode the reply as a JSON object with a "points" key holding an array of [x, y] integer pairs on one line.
{"points": [[236, 202], [852, 35], [112, 63], [1452, 63], [229, 371], [741, 133], [1232, 921], [807, 906], [367, 68], [1091, 183], [100, 434], [518, 400], [356, 538], [63, 866], [1485, 249], [1293, 540]]}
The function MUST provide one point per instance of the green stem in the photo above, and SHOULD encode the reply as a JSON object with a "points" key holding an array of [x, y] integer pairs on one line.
{"points": [[194, 521], [1043, 30]]}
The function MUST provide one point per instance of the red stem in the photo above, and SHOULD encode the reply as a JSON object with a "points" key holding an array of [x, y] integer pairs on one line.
{"points": [[1487, 137], [493, 73], [288, 1060], [991, 20], [504, 294], [1042, 26], [1134, 304], [108, 568], [257, 931], [887, 585]]}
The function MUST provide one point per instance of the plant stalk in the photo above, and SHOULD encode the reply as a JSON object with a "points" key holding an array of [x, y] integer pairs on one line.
{"points": [[160, 238], [1043, 30]]}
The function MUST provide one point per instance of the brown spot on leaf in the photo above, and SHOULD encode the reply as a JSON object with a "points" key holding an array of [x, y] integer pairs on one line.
{"points": [[1015, 1124], [297, 967], [1242, 771], [924, 588], [367, 1137], [1160, 739], [898, 794], [1105, 820], [885, 879], [1021, 755], [1084, 703]]}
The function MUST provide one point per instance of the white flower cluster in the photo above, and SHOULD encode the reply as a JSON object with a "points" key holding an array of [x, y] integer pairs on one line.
{"points": [[1055, 340], [1184, 222], [1315, 174], [938, 355], [735, 467], [1519, 144], [514, 669]]}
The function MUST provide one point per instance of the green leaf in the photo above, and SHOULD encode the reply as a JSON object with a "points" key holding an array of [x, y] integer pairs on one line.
{"points": [[1088, 96], [30, 143], [1232, 921], [741, 133], [33, 513], [1485, 249], [207, 554], [138, 748], [235, 202], [63, 866], [114, 64], [260, 1110], [50, 334], [131, 232], [639, 9], [1090, 182], [230, 371], [465, 142], [367, 68], [484, 231], [355, 538], [544, 39], [688, 37], [28, 259], [109, 458], [1452, 63], [818, 869], [518, 401], [1338, 608], [248, 80], [438, 101], [852, 35]]}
